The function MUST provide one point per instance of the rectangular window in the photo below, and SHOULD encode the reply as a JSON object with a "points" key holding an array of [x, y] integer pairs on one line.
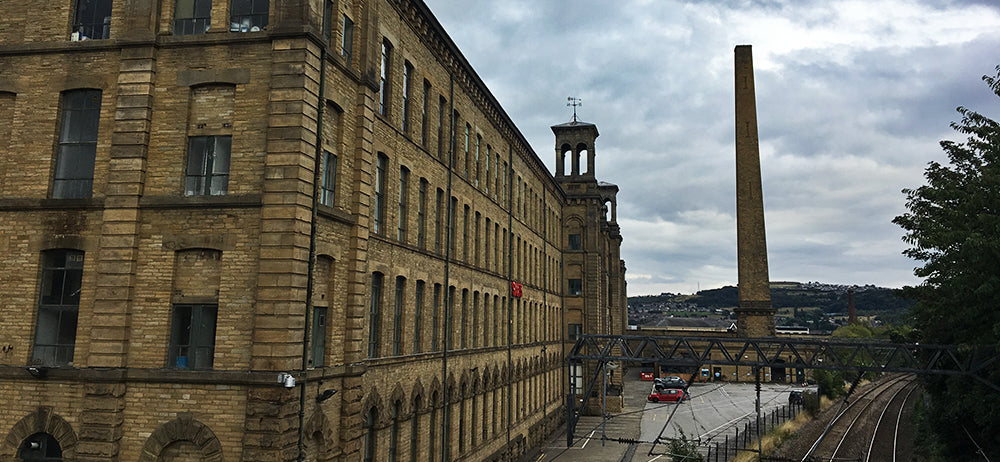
{"points": [[407, 76], [328, 6], [435, 316], [451, 226], [375, 316], [379, 212], [423, 113], [475, 239], [468, 129], [575, 379], [397, 317], [347, 42], [385, 82], [404, 194], [192, 16], [575, 331], [438, 204], [418, 315], [486, 170], [486, 244], [576, 287], [441, 104], [318, 336], [92, 20], [328, 184], [58, 305], [496, 174], [465, 235], [248, 15], [465, 316], [74, 170], [207, 166], [452, 151], [422, 215], [192, 336], [479, 142], [475, 319], [575, 242]]}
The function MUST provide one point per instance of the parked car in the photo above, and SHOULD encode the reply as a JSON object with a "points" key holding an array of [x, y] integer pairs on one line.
{"points": [[671, 381], [668, 394], [795, 397]]}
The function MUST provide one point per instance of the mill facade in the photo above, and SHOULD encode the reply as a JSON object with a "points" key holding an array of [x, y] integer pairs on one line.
{"points": [[253, 230]]}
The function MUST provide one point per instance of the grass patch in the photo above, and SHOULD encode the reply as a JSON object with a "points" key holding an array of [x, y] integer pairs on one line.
{"points": [[773, 439]]}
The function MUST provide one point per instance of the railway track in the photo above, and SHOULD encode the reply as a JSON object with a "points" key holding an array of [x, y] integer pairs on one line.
{"points": [[866, 428]]}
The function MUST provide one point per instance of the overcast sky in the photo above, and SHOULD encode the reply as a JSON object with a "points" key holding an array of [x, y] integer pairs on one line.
{"points": [[852, 100]]}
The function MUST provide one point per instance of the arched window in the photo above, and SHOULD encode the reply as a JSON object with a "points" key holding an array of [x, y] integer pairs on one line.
{"points": [[369, 425], [394, 433]]}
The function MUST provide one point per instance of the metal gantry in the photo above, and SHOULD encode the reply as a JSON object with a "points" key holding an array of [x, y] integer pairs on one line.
{"points": [[866, 355]]}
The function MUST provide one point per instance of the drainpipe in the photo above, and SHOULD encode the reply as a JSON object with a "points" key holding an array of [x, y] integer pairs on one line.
{"points": [[320, 106], [448, 296]]}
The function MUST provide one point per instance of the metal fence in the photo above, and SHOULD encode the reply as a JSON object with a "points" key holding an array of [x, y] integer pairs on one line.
{"points": [[744, 438]]}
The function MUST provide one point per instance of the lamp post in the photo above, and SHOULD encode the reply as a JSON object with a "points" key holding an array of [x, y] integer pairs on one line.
{"points": [[604, 396]]}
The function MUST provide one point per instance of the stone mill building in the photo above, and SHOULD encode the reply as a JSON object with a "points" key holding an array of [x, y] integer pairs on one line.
{"points": [[290, 230]]}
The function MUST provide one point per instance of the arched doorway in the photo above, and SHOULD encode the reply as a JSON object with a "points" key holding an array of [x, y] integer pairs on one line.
{"points": [[40, 446]]}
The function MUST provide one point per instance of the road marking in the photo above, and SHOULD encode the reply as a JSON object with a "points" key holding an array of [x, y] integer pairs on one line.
{"points": [[591, 435]]}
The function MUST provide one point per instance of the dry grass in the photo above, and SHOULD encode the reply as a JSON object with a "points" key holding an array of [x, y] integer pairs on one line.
{"points": [[774, 438]]}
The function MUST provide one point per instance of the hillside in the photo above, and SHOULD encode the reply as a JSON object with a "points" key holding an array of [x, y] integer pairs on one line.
{"points": [[812, 304]]}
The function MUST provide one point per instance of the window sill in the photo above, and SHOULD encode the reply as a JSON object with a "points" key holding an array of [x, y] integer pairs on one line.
{"points": [[335, 214], [170, 202], [22, 204]]}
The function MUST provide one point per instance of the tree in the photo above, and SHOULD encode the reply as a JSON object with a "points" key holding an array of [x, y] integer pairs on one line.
{"points": [[953, 227]]}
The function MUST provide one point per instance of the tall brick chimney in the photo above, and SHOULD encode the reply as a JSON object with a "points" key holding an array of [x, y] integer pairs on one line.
{"points": [[754, 316]]}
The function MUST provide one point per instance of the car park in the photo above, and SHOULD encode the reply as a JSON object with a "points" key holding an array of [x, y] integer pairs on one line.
{"points": [[668, 394]]}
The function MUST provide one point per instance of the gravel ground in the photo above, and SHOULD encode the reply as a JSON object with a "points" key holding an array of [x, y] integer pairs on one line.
{"points": [[796, 446]]}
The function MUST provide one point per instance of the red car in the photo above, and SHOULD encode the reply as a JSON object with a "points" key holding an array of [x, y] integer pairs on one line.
{"points": [[668, 394]]}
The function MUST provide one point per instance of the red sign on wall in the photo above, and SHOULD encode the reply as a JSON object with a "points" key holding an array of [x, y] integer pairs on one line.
{"points": [[515, 289]]}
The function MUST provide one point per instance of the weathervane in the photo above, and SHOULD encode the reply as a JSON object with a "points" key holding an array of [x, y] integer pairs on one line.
{"points": [[574, 102]]}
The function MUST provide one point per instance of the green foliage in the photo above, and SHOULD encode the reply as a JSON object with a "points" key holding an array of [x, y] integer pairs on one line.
{"points": [[853, 331], [810, 402], [682, 449], [953, 227], [830, 383]]}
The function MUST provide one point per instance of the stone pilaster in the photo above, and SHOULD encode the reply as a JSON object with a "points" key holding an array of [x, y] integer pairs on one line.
{"points": [[271, 426], [110, 324]]}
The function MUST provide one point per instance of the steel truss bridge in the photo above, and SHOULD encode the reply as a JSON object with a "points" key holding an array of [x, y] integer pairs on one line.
{"points": [[777, 352]]}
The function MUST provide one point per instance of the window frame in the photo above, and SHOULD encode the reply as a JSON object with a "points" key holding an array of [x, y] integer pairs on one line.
{"points": [[574, 287], [247, 19], [347, 39], [378, 217], [204, 353], [328, 183], [58, 266], [318, 343], [385, 79], [85, 20], [407, 83], [404, 196], [203, 183], [192, 25], [76, 153], [375, 315]]}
